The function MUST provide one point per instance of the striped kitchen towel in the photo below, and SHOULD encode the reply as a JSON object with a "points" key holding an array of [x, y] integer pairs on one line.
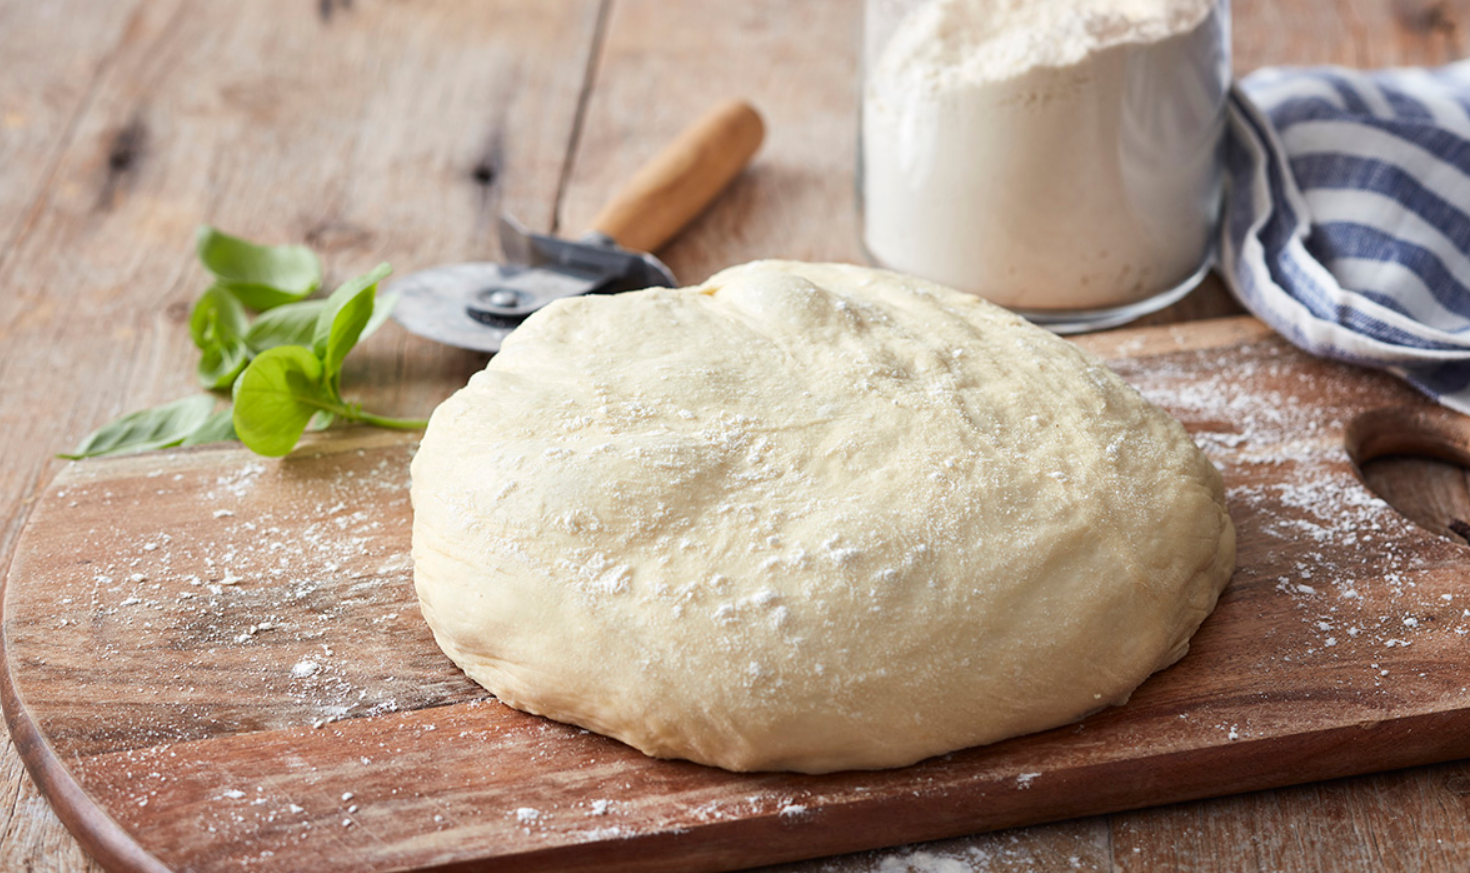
{"points": [[1347, 217]]}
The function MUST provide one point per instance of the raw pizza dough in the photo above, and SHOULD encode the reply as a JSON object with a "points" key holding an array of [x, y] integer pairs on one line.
{"points": [[809, 517]]}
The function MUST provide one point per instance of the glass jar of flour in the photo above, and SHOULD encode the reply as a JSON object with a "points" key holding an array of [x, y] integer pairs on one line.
{"points": [[1061, 158]]}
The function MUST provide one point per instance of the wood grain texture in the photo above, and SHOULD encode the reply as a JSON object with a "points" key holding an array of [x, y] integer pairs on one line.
{"points": [[796, 199], [48, 81], [224, 652], [47, 86], [370, 130]]}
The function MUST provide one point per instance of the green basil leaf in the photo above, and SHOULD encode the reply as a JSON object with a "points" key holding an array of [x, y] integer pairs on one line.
{"points": [[291, 325], [382, 308], [262, 277], [218, 428], [229, 316], [295, 324], [218, 325], [219, 367], [277, 396], [340, 326], [156, 428]]}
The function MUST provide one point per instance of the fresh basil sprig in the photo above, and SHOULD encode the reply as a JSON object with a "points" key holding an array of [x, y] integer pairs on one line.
{"points": [[287, 385], [284, 370]]}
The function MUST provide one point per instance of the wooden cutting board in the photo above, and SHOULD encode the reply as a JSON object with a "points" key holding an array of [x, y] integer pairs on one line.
{"points": [[216, 662]]}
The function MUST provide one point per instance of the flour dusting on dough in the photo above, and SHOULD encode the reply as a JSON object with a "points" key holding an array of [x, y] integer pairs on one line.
{"points": [[818, 517]]}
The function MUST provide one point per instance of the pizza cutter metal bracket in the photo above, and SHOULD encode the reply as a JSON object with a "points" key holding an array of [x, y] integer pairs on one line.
{"points": [[477, 305]]}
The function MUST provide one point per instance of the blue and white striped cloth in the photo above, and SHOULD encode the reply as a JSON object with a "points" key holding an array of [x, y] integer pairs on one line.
{"points": [[1347, 222]]}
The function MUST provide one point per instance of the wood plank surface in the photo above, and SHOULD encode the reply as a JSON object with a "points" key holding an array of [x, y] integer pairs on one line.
{"points": [[371, 131], [49, 80], [96, 281], [225, 654], [800, 185]]}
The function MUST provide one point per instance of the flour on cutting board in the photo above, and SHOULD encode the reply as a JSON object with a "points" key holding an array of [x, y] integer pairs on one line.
{"points": [[1032, 850], [260, 581], [1319, 514], [307, 584]]}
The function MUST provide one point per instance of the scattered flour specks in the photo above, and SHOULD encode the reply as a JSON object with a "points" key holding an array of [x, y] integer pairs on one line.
{"points": [[1335, 553], [304, 668]]}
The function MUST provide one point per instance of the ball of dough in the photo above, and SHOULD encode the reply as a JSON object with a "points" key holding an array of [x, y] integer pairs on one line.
{"points": [[809, 517]]}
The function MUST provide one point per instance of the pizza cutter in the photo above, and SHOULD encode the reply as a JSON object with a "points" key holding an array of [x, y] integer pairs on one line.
{"points": [[477, 305]]}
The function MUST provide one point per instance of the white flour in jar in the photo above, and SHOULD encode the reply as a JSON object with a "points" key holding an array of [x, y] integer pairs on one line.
{"points": [[1046, 154]]}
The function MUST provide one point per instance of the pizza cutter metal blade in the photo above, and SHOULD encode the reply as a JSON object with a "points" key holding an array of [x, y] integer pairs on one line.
{"points": [[477, 305]]}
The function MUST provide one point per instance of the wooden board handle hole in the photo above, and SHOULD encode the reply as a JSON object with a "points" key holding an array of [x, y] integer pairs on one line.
{"points": [[1417, 459]]}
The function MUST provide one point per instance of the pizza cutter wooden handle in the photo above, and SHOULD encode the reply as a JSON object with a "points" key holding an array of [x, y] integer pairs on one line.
{"points": [[674, 187]]}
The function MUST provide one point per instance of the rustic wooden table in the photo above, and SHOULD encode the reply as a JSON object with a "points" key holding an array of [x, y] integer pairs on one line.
{"points": [[394, 131]]}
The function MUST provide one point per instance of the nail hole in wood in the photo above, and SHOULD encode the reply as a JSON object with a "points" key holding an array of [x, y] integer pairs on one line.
{"points": [[1425, 16], [486, 169], [125, 152], [325, 8]]}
